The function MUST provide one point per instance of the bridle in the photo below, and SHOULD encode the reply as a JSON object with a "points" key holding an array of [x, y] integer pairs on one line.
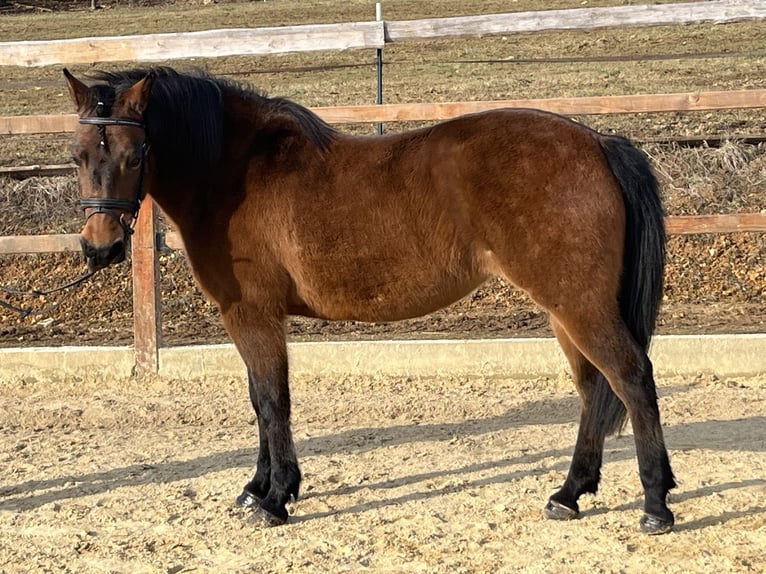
{"points": [[105, 205], [109, 205]]}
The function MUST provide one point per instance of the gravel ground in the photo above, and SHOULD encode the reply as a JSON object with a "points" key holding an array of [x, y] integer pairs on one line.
{"points": [[400, 475]]}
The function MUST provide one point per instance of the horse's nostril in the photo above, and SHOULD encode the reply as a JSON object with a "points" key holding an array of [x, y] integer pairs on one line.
{"points": [[100, 257], [87, 249]]}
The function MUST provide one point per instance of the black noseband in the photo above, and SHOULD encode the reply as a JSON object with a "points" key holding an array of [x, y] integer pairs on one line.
{"points": [[108, 205]]}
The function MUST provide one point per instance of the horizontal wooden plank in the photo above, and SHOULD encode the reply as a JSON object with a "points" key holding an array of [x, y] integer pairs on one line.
{"points": [[342, 36], [676, 225], [204, 44], [724, 223], [45, 124], [719, 11], [23, 244], [629, 104], [711, 140], [66, 242], [172, 239], [24, 171]]}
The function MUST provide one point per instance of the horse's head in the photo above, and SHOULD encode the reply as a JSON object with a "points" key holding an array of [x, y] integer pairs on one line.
{"points": [[110, 149]]}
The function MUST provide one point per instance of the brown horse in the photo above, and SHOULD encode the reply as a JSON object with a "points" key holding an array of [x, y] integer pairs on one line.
{"points": [[282, 214]]}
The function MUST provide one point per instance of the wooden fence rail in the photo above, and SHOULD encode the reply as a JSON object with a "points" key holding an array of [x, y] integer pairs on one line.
{"points": [[675, 225], [589, 105], [253, 41]]}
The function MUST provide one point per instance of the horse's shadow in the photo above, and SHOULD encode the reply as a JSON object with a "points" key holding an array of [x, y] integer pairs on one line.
{"points": [[698, 493], [708, 434], [352, 441], [714, 434]]}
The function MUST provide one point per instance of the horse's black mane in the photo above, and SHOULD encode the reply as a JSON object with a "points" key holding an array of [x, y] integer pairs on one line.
{"points": [[185, 114]]}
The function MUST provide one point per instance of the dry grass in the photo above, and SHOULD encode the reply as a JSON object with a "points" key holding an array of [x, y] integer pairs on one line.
{"points": [[39, 205], [708, 180]]}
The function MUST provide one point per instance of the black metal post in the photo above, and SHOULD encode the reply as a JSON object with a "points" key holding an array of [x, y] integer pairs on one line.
{"points": [[379, 18]]}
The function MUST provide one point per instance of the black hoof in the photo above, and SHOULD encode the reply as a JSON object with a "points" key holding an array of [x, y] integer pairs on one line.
{"points": [[557, 511], [265, 518], [652, 525], [247, 500]]}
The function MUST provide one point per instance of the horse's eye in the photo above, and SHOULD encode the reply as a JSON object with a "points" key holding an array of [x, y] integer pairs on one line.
{"points": [[134, 163]]}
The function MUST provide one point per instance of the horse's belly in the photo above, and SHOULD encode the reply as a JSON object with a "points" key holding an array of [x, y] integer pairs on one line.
{"points": [[378, 301]]}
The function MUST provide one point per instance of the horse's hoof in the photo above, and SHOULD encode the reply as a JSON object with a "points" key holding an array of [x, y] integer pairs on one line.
{"points": [[557, 511], [653, 525], [247, 500], [265, 518]]}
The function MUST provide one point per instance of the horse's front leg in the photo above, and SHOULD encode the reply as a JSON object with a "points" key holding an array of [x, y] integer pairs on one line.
{"points": [[258, 488], [277, 476]]}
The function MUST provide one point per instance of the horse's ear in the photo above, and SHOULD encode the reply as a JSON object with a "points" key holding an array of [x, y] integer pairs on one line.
{"points": [[79, 92], [137, 96]]}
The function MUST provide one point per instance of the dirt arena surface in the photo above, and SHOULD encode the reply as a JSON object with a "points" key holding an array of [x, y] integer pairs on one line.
{"points": [[421, 475]]}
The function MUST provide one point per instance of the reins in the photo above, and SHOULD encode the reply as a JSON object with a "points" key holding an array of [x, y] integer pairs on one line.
{"points": [[28, 311]]}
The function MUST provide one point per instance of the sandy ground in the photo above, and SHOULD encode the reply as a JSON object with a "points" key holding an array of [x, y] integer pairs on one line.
{"points": [[427, 475]]}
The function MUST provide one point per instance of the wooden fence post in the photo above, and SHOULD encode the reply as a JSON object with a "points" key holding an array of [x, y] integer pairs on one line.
{"points": [[146, 291]]}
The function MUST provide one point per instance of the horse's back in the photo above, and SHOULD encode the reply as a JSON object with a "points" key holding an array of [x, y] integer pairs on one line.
{"points": [[401, 225]]}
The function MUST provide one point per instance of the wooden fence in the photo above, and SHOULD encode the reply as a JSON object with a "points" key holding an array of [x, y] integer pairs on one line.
{"points": [[365, 35], [374, 34]]}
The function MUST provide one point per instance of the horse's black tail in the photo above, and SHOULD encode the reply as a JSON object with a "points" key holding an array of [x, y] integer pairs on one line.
{"points": [[643, 260]]}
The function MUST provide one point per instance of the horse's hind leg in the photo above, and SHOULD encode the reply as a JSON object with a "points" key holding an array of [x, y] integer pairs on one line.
{"points": [[601, 414], [605, 341]]}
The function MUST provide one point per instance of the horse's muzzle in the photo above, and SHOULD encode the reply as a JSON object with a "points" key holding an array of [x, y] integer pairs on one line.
{"points": [[98, 257]]}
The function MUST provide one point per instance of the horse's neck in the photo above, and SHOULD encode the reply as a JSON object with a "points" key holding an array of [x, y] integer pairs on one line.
{"points": [[181, 199], [194, 198]]}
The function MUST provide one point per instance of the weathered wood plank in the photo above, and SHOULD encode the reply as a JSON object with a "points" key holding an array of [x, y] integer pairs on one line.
{"points": [[254, 41], [204, 44], [43, 124], [630, 104], [724, 223], [146, 291], [719, 11], [173, 240], [29, 244], [676, 225], [24, 171], [711, 140]]}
